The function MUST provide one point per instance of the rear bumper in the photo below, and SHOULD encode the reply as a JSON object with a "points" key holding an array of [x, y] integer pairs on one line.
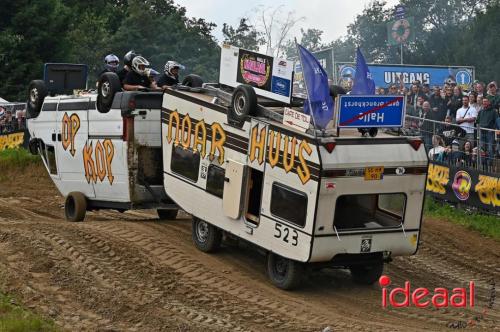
{"points": [[397, 242]]}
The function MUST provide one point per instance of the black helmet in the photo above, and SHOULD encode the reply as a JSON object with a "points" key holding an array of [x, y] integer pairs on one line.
{"points": [[127, 59]]}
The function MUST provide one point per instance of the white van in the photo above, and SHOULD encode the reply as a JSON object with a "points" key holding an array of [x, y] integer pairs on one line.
{"points": [[304, 197], [100, 155]]}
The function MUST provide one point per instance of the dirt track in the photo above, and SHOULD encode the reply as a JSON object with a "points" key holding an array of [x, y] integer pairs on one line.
{"points": [[130, 272]]}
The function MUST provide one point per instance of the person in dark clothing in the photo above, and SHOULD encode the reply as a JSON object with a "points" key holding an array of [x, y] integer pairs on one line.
{"points": [[456, 102], [170, 75], [435, 98], [111, 63], [486, 119], [449, 132], [137, 78], [127, 65]]}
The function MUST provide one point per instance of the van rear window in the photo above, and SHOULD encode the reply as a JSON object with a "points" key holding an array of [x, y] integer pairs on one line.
{"points": [[185, 163], [369, 211]]}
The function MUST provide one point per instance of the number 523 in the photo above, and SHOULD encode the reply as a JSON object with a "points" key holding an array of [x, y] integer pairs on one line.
{"points": [[283, 232]]}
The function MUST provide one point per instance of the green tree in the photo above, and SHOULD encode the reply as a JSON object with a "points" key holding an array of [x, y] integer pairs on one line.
{"points": [[33, 32], [244, 36]]}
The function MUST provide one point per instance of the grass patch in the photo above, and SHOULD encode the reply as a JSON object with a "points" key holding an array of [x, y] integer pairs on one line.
{"points": [[17, 158], [485, 224], [14, 318]]}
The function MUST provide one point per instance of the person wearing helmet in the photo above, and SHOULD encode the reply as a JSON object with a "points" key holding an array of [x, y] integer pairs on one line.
{"points": [[111, 63], [138, 78], [170, 75], [127, 65]]}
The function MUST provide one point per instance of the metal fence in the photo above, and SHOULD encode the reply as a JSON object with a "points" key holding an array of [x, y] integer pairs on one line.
{"points": [[446, 142]]}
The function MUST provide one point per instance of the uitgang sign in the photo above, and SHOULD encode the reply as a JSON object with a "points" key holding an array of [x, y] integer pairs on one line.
{"points": [[422, 297]]}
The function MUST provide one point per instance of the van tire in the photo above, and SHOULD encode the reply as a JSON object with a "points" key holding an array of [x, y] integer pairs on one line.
{"points": [[109, 85], [164, 214], [193, 81], [243, 103], [283, 272], [37, 91], [206, 237], [367, 274], [33, 146], [75, 206]]}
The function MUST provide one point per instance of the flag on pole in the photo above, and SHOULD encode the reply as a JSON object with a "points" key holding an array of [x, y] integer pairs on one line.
{"points": [[363, 82], [319, 103]]}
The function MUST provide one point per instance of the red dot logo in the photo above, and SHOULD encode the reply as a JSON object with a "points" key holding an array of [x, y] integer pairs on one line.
{"points": [[384, 281]]}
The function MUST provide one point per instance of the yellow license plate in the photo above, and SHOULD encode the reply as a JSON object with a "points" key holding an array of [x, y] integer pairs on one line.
{"points": [[374, 173]]}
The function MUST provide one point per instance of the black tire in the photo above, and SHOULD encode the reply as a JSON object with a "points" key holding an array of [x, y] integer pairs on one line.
{"points": [[167, 214], [109, 85], [206, 238], [243, 103], [37, 91], [336, 90], [33, 146], [193, 81], [283, 272], [75, 206], [367, 274]]}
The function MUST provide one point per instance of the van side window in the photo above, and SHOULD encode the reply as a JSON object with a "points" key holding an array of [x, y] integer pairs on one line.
{"points": [[185, 163], [289, 204], [215, 180], [49, 107]]}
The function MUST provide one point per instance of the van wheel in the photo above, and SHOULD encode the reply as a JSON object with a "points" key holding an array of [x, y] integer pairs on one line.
{"points": [[33, 146], [109, 85], [37, 91], [283, 272], [167, 214], [367, 274], [193, 81], [243, 103], [75, 206], [206, 237]]}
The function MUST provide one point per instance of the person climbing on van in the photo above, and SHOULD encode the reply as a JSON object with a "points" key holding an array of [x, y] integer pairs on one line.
{"points": [[111, 63], [170, 75], [127, 65], [138, 77]]}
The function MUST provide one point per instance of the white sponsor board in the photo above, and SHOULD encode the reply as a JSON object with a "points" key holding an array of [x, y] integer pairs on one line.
{"points": [[271, 77], [297, 120]]}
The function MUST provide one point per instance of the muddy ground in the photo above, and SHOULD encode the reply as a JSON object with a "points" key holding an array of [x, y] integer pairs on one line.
{"points": [[131, 272]]}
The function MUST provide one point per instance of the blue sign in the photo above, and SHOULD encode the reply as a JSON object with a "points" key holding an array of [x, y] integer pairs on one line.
{"points": [[370, 111], [399, 13], [280, 86], [463, 77], [385, 75]]}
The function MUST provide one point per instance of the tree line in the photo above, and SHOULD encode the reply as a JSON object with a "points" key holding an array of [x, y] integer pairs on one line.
{"points": [[34, 32]]}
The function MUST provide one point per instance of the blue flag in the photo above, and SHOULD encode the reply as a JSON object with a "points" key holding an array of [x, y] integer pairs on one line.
{"points": [[363, 82], [318, 92]]}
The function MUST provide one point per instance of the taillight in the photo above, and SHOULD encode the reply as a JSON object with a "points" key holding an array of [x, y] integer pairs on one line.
{"points": [[128, 127], [131, 104], [330, 146], [415, 143]]}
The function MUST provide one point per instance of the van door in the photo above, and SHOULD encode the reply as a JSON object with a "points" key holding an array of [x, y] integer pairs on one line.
{"points": [[43, 127], [106, 161], [71, 130], [233, 189]]}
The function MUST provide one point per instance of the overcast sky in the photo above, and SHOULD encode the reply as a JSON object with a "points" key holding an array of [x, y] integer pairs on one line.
{"points": [[331, 16]]}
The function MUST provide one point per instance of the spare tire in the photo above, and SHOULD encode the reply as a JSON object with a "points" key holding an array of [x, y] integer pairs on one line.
{"points": [[37, 91], [243, 103], [109, 85], [336, 90], [193, 81]]}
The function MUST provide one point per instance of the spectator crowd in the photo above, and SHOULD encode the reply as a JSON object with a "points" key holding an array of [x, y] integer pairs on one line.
{"points": [[458, 127], [12, 118]]}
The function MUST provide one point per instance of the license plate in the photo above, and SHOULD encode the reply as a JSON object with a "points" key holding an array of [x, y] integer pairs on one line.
{"points": [[374, 173]]}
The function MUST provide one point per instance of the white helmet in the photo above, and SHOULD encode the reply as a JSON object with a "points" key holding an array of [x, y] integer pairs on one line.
{"points": [[171, 65], [137, 62], [111, 62]]}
